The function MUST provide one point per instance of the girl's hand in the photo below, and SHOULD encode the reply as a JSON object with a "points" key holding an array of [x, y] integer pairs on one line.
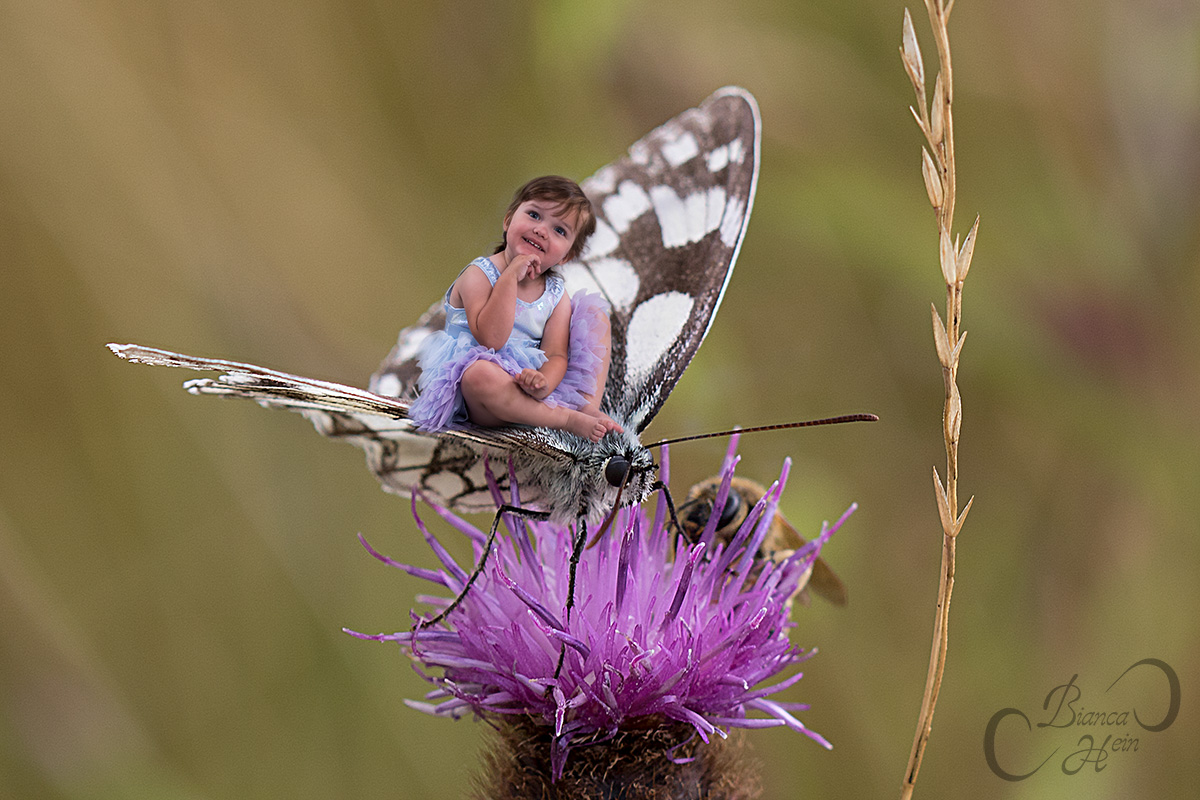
{"points": [[524, 266], [534, 384]]}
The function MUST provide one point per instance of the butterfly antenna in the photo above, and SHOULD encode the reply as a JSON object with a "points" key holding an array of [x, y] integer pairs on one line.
{"points": [[778, 427]]}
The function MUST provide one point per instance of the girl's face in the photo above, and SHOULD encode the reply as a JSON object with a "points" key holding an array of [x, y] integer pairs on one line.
{"points": [[539, 228]]}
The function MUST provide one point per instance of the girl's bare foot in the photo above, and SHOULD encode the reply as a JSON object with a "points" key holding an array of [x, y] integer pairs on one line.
{"points": [[610, 423], [588, 427]]}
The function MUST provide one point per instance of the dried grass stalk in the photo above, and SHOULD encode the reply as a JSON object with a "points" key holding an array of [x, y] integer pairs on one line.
{"points": [[937, 170]]}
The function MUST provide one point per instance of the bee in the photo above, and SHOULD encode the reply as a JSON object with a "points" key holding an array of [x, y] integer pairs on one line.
{"points": [[781, 541]]}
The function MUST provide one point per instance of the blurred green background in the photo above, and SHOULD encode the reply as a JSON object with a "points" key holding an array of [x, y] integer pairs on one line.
{"points": [[292, 183]]}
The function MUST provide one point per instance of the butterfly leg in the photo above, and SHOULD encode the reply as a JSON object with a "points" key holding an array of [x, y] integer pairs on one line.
{"points": [[576, 553], [487, 548], [660, 486]]}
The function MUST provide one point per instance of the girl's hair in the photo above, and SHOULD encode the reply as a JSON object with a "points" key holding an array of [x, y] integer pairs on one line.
{"points": [[566, 194]]}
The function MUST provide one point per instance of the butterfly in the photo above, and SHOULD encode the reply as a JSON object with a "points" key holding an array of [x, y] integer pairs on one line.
{"points": [[670, 219]]}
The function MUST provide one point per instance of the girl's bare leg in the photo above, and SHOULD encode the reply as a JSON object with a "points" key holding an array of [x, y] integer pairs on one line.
{"points": [[493, 398]]}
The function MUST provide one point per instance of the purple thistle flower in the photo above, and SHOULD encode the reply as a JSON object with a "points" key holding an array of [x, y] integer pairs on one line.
{"points": [[663, 631]]}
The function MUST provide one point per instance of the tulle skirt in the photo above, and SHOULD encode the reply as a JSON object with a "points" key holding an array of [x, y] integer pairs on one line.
{"points": [[444, 359]]}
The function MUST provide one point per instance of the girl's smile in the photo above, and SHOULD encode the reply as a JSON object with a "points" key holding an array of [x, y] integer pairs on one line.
{"points": [[540, 228]]}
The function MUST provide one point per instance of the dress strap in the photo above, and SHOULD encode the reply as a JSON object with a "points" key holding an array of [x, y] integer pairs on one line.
{"points": [[485, 265], [555, 288], [489, 269]]}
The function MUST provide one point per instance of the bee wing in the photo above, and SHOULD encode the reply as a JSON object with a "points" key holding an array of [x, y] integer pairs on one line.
{"points": [[823, 580]]}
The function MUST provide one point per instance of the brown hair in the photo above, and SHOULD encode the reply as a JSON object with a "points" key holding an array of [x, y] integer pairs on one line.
{"points": [[567, 195]]}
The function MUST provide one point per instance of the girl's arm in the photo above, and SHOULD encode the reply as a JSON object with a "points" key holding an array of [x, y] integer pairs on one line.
{"points": [[491, 309], [556, 338]]}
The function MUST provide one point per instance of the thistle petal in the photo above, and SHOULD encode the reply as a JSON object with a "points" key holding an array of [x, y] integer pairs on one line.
{"points": [[681, 637]]}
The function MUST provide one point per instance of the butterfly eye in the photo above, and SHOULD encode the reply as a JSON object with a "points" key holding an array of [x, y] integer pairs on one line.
{"points": [[733, 504], [615, 470]]}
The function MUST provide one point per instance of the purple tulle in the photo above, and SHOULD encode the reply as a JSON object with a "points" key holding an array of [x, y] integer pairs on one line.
{"points": [[585, 354], [444, 359]]}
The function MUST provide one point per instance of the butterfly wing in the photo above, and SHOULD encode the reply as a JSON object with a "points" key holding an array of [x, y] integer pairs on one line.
{"points": [[450, 467], [670, 221], [397, 375], [670, 218]]}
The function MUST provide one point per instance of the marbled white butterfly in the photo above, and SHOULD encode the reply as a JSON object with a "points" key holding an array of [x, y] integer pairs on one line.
{"points": [[671, 216]]}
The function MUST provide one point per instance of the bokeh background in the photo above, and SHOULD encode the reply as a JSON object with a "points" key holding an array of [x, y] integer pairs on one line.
{"points": [[291, 183]]}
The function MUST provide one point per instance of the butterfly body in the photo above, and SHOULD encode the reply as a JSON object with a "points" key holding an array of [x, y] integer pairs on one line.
{"points": [[671, 216], [581, 487]]}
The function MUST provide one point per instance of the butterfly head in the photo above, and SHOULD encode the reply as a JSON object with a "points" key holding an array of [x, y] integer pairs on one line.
{"points": [[629, 467], [616, 470]]}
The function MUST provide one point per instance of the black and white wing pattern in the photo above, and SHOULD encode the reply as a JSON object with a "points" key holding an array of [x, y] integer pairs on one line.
{"points": [[671, 216]]}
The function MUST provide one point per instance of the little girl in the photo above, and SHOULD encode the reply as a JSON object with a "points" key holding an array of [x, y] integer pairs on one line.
{"points": [[511, 352]]}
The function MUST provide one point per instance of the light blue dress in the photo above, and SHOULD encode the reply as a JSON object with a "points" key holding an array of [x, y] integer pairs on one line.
{"points": [[446, 354]]}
